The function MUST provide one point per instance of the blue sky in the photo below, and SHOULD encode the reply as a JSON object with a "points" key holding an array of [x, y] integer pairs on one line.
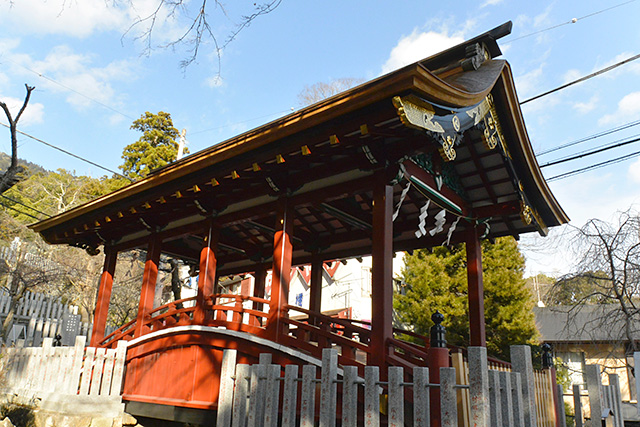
{"points": [[93, 79]]}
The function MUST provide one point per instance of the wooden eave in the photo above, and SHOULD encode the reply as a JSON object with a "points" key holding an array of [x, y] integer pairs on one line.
{"points": [[340, 178]]}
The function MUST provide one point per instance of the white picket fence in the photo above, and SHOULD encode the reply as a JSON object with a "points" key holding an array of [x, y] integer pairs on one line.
{"points": [[66, 375], [250, 395]]}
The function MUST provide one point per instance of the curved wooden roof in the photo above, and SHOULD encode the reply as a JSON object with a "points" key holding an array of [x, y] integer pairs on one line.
{"points": [[322, 158]]}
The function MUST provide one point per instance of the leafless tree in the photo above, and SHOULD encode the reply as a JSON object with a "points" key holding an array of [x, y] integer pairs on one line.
{"points": [[319, 91], [200, 27], [609, 270], [23, 270], [13, 173]]}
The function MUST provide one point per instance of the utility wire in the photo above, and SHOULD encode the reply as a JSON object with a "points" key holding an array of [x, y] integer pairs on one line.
{"points": [[70, 154], [572, 21], [26, 206], [590, 153], [594, 166], [589, 138], [580, 80], [19, 211], [39, 74]]}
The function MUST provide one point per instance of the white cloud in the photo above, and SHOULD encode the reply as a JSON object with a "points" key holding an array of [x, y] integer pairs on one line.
{"points": [[85, 17], [214, 82], [64, 71], [33, 113], [74, 18], [419, 45], [491, 3], [628, 108], [586, 107], [634, 171], [528, 84], [571, 75]]}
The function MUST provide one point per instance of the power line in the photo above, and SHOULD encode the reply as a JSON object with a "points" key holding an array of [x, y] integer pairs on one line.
{"points": [[588, 138], [26, 206], [69, 153], [572, 21], [591, 152], [19, 211], [69, 88], [594, 166], [580, 80]]}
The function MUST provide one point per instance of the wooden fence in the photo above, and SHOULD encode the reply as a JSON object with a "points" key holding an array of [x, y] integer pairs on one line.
{"points": [[250, 395], [603, 400], [65, 374], [40, 316], [545, 406]]}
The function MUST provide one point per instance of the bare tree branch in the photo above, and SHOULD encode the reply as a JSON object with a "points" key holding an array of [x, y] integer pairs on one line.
{"points": [[12, 175]]}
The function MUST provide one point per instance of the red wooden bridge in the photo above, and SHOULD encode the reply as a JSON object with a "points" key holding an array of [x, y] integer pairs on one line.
{"points": [[433, 153]]}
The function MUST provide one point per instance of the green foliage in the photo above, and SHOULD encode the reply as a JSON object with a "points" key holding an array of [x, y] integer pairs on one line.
{"points": [[30, 168], [584, 288], [437, 280], [156, 147], [50, 193]]}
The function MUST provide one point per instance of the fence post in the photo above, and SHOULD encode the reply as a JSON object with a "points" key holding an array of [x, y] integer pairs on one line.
{"points": [[506, 398], [328, 387], [290, 396], [516, 397], [421, 397], [308, 396], [258, 387], [521, 362], [225, 397], [448, 401], [560, 407], [371, 396], [594, 388], [396, 396], [438, 357], [616, 399], [350, 396], [243, 376], [479, 386], [272, 396], [494, 398], [577, 404]]}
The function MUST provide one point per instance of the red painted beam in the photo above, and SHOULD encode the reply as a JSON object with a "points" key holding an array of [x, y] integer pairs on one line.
{"points": [[104, 296], [501, 209], [382, 270], [208, 266], [281, 273], [315, 294], [149, 279], [477, 336]]}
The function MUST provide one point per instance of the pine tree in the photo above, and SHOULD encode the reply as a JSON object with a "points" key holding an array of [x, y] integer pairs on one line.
{"points": [[156, 147], [437, 280]]}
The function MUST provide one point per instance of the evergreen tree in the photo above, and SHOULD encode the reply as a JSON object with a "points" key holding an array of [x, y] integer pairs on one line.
{"points": [[156, 147], [437, 280]]}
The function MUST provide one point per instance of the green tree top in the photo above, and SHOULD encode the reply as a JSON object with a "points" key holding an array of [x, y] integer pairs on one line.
{"points": [[437, 280], [156, 147]]}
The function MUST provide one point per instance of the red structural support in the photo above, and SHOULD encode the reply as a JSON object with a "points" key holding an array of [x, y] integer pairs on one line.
{"points": [[282, 254], [104, 296], [315, 293], [149, 278], [207, 277], [477, 336], [381, 271]]}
